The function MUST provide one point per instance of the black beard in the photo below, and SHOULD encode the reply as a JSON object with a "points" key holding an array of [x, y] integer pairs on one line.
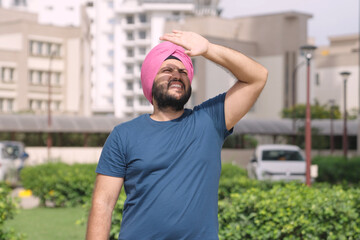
{"points": [[164, 100]]}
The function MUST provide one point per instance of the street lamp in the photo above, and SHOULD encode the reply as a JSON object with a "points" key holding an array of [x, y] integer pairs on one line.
{"points": [[307, 52], [49, 138], [345, 76], [332, 103]]}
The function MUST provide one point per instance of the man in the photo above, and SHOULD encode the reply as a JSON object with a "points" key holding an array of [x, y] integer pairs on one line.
{"points": [[169, 161]]}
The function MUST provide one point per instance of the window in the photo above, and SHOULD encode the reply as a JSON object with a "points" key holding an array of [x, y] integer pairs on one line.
{"points": [[48, 48], [57, 78], [7, 74], [142, 50], [1, 105], [142, 34], [3, 73], [130, 19], [129, 102], [111, 21], [111, 4], [110, 68], [10, 106], [144, 101], [140, 85], [129, 86], [142, 18], [40, 77], [130, 52], [19, 3], [129, 68], [111, 53], [39, 48], [129, 36], [111, 37], [44, 48]]}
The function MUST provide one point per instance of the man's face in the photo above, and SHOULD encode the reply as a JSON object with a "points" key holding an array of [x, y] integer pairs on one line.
{"points": [[171, 86]]}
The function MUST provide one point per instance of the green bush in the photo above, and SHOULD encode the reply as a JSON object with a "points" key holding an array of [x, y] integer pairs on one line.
{"points": [[338, 170], [291, 211], [251, 209], [63, 185], [7, 211]]}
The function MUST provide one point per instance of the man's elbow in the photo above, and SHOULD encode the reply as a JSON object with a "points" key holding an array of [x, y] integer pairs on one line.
{"points": [[262, 76]]}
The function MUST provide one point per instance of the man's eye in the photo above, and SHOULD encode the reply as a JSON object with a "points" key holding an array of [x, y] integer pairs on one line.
{"points": [[183, 72], [167, 70]]}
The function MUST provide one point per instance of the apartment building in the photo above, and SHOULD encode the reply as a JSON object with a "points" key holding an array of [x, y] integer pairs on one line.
{"points": [[39, 64]]}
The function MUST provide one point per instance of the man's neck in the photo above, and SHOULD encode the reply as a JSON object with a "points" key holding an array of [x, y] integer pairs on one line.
{"points": [[167, 114]]}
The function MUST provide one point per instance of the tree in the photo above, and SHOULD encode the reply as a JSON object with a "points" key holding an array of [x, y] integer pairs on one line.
{"points": [[317, 111]]}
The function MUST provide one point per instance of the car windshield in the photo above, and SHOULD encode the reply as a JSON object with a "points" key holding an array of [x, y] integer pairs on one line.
{"points": [[281, 155]]}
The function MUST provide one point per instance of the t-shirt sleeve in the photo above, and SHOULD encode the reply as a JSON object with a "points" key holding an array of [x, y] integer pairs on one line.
{"points": [[215, 109], [112, 160]]}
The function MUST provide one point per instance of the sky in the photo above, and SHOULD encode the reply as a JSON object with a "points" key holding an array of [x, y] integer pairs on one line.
{"points": [[330, 17]]}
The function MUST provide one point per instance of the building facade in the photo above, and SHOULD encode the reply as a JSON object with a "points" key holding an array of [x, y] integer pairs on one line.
{"points": [[39, 64], [273, 40], [341, 55]]}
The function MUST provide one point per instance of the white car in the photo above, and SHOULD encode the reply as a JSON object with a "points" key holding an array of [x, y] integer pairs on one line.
{"points": [[12, 157], [277, 162]]}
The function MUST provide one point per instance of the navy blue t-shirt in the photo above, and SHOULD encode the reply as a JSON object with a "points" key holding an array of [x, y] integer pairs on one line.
{"points": [[171, 172]]}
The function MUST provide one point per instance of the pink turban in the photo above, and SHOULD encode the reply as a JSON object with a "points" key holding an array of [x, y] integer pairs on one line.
{"points": [[155, 58]]}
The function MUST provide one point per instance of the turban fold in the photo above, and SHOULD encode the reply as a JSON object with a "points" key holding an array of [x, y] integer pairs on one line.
{"points": [[154, 60]]}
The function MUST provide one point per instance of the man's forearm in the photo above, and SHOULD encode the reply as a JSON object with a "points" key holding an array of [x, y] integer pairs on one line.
{"points": [[99, 223], [242, 67]]}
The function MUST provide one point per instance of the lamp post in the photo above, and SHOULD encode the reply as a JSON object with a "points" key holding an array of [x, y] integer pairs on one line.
{"points": [[49, 122], [307, 52], [332, 103], [345, 76]]}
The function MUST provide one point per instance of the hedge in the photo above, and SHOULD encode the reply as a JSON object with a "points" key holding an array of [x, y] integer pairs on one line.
{"points": [[337, 170], [61, 184], [7, 211], [291, 212], [248, 209]]}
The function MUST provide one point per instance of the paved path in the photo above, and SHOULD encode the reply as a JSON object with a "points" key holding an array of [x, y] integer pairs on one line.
{"points": [[27, 200]]}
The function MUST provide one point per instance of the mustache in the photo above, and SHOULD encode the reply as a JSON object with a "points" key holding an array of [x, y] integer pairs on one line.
{"points": [[176, 80]]}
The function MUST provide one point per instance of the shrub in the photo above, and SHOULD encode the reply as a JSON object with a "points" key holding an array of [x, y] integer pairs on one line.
{"points": [[291, 211], [337, 169], [7, 211], [64, 185]]}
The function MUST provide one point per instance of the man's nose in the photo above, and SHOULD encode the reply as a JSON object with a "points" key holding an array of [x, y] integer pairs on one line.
{"points": [[176, 74]]}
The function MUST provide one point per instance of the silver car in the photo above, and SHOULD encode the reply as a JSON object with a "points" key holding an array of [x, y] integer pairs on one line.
{"points": [[277, 162]]}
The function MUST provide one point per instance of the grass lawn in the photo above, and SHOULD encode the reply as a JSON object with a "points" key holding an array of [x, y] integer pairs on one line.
{"points": [[49, 223]]}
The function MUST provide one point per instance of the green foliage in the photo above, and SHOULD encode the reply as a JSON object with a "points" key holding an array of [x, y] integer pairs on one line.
{"points": [[338, 170], [59, 183], [291, 211], [317, 111], [7, 212]]}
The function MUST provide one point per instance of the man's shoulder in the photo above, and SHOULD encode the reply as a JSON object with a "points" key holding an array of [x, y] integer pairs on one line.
{"points": [[211, 101], [131, 124]]}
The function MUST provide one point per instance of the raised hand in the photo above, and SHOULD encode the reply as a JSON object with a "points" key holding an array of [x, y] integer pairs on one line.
{"points": [[193, 43]]}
